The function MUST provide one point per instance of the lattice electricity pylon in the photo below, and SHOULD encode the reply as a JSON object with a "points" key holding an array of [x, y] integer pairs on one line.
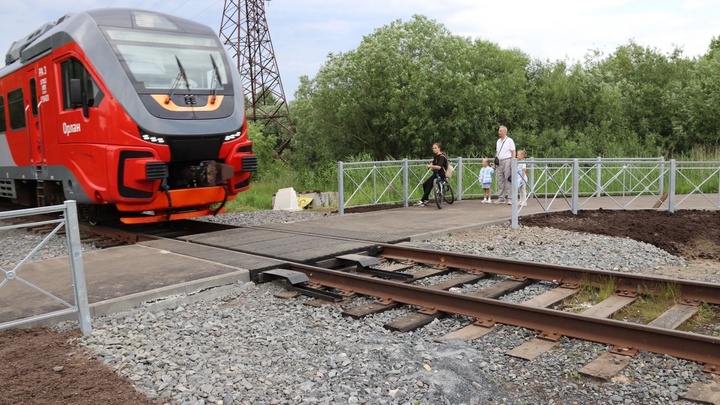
{"points": [[244, 30]]}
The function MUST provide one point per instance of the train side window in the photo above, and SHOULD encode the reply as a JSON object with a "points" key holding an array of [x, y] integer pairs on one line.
{"points": [[33, 97], [2, 114], [91, 93], [16, 109]]}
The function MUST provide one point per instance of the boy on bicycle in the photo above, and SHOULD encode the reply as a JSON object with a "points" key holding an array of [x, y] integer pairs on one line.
{"points": [[438, 165]]}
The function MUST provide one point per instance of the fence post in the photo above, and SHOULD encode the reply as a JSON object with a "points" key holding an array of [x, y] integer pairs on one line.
{"points": [[531, 178], [72, 230], [661, 180], [458, 170], [406, 188], [341, 197], [374, 185], [671, 187], [575, 186], [514, 191], [598, 177]]}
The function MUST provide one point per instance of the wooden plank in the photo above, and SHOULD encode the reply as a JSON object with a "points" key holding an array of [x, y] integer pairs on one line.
{"points": [[501, 288], [605, 366], [706, 393], [532, 348], [454, 282], [430, 272], [609, 306], [411, 322], [396, 267], [536, 346], [550, 298], [661, 200], [470, 332], [675, 316], [608, 364], [364, 310]]}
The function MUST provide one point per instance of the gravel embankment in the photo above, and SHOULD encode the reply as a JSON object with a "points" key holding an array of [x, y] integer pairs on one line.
{"points": [[242, 345]]}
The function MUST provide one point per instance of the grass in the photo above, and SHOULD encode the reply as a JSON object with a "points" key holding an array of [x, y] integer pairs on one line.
{"points": [[649, 305], [259, 195], [589, 294]]}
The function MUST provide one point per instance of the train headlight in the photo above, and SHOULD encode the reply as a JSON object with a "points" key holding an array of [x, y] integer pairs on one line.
{"points": [[231, 137], [153, 139]]}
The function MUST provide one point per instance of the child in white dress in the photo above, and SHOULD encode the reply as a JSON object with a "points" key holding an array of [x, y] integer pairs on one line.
{"points": [[522, 177]]}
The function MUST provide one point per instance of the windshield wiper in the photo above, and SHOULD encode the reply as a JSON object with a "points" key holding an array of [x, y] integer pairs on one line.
{"points": [[216, 80], [180, 75]]}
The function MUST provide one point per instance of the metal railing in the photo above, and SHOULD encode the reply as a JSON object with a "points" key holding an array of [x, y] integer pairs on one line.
{"points": [[13, 277], [554, 183]]}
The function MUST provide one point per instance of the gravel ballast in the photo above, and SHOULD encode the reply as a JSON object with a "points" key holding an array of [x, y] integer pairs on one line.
{"points": [[238, 344]]}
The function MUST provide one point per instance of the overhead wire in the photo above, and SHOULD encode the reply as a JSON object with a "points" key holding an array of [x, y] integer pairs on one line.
{"points": [[205, 9]]}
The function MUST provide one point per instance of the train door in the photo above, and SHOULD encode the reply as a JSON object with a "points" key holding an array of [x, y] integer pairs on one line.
{"points": [[32, 114]]}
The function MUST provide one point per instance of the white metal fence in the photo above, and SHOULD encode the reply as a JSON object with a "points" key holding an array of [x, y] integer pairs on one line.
{"points": [[553, 183], [13, 276]]}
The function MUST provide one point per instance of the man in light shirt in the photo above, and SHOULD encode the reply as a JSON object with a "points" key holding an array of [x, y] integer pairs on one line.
{"points": [[505, 150]]}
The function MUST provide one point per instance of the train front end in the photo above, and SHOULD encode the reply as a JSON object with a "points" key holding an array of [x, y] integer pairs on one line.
{"points": [[178, 146]]}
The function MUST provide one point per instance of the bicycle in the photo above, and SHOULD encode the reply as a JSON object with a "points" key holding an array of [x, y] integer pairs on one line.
{"points": [[443, 191]]}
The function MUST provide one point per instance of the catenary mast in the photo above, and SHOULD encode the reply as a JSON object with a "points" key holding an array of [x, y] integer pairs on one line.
{"points": [[244, 30]]}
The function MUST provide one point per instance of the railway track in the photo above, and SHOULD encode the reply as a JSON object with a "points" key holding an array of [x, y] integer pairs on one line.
{"points": [[399, 275], [394, 278]]}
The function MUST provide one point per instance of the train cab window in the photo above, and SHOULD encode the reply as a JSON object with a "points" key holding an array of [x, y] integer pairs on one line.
{"points": [[73, 69], [33, 97], [2, 114], [16, 109]]}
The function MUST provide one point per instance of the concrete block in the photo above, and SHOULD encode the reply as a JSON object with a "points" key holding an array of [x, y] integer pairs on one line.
{"points": [[286, 199]]}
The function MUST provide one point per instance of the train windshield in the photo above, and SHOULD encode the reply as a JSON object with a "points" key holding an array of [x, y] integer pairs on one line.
{"points": [[151, 59]]}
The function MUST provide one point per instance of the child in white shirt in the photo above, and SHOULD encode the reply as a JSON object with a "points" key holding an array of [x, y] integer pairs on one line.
{"points": [[485, 179]]}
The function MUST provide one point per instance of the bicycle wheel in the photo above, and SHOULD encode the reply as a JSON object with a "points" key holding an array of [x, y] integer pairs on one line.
{"points": [[437, 190], [449, 194]]}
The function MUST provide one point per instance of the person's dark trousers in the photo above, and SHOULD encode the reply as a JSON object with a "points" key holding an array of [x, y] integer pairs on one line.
{"points": [[427, 188]]}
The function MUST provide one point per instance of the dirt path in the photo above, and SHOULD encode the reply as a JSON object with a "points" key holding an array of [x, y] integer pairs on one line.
{"points": [[686, 233]]}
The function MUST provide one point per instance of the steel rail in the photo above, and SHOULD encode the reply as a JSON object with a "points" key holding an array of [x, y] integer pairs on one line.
{"points": [[692, 291], [685, 345]]}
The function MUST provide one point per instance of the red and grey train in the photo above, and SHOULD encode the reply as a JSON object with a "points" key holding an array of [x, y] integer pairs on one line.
{"points": [[134, 114]]}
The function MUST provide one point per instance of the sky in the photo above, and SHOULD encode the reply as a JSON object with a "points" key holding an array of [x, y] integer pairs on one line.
{"points": [[305, 32]]}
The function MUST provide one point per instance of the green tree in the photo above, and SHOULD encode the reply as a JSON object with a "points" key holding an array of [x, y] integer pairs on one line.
{"points": [[406, 86]]}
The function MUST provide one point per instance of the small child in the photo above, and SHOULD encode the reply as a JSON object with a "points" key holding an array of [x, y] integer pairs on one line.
{"points": [[522, 176], [485, 179]]}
